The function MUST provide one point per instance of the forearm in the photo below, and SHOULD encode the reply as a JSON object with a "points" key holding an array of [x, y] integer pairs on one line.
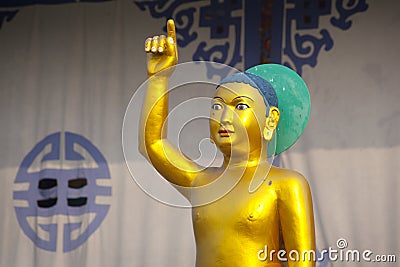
{"points": [[153, 142], [153, 119]]}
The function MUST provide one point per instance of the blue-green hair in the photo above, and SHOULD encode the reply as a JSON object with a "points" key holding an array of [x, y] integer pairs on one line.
{"points": [[263, 86]]}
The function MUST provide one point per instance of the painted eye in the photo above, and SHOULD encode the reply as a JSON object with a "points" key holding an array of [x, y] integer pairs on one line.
{"points": [[216, 106], [241, 106]]}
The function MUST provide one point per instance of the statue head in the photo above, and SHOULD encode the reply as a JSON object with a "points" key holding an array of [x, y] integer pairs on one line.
{"points": [[244, 113], [277, 90]]}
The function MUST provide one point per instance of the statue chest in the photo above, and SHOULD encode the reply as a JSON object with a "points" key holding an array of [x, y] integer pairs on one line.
{"points": [[239, 213]]}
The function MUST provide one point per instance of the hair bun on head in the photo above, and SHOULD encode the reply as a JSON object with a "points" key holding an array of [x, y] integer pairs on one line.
{"points": [[293, 102]]}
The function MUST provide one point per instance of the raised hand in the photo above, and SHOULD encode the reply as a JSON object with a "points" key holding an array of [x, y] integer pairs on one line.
{"points": [[162, 51]]}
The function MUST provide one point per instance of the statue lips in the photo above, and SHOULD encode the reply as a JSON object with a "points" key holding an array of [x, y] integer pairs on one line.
{"points": [[225, 132]]}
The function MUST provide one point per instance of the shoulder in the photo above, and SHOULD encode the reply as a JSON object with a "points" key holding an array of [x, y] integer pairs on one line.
{"points": [[289, 181]]}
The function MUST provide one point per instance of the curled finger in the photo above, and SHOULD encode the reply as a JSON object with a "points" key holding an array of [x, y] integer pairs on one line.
{"points": [[162, 43], [154, 44], [147, 44]]}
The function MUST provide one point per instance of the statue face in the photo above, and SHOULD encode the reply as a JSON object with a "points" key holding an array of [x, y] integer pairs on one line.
{"points": [[237, 118]]}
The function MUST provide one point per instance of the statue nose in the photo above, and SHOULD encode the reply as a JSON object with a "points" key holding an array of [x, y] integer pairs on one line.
{"points": [[227, 116]]}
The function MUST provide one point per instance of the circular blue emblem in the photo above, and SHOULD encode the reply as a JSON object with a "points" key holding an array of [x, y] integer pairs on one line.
{"points": [[62, 191]]}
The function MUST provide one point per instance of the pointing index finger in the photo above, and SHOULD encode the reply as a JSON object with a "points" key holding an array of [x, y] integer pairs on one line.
{"points": [[171, 29]]}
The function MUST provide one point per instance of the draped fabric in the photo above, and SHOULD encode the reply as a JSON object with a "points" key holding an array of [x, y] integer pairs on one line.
{"points": [[67, 74]]}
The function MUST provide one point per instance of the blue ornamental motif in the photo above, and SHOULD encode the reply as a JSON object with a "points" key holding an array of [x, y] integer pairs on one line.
{"points": [[184, 18], [345, 11], [217, 16], [303, 48], [7, 16], [299, 17], [58, 200]]}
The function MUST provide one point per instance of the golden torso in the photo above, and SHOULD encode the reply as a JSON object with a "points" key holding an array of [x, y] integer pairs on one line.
{"points": [[232, 230]]}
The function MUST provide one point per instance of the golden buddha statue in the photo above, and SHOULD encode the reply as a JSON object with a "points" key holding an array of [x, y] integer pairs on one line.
{"points": [[244, 227]]}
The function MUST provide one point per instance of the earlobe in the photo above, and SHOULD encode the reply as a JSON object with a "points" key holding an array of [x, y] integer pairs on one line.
{"points": [[271, 123], [267, 134]]}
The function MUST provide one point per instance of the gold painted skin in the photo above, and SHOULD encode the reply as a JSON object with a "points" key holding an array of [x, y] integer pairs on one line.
{"points": [[232, 230]]}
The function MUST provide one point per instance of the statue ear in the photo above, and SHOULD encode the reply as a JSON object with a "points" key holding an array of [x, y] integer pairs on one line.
{"points": [[271, 122]]}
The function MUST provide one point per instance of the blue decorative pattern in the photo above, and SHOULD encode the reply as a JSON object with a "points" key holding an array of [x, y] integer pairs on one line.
{"points": [[184, 19], [52, 195], [8, 15], [306, 13], [293, 23], [302, 47], [345, 11], [19, 3], [215, 15]]}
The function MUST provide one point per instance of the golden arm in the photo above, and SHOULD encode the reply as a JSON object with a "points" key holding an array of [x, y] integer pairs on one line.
{"points": [[297, 221], [153, 144]]}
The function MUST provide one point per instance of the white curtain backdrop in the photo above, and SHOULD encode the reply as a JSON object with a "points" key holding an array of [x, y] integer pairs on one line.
{"points": [[74, 67]]}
